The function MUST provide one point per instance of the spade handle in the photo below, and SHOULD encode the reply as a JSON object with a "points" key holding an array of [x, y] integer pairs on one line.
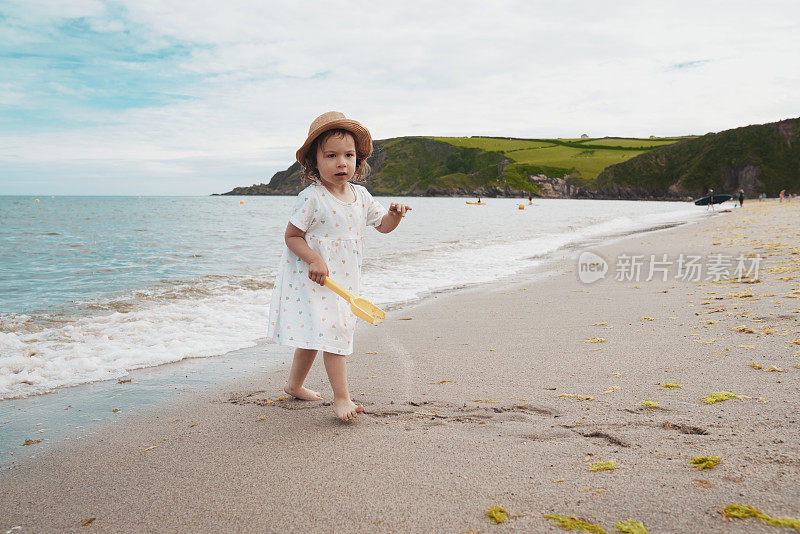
{"points": [[342, 292]]}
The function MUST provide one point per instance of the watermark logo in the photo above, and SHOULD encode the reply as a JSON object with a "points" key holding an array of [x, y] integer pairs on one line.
{"points": [[591, 267], [684, 267]]}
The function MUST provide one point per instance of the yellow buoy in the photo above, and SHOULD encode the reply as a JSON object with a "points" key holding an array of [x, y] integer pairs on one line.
{"points": [[37, 200], [521, 207], [241, 202]]}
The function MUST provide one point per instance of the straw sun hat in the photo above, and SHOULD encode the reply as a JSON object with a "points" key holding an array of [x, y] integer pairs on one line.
{"points": [[331, 121]]}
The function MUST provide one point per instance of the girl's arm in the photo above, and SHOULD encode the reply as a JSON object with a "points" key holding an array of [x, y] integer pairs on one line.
{"points": [[392, 218], [295, 240]]}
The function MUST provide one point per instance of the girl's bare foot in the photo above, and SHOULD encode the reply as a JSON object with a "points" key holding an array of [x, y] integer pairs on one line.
{"points": [[302, 393], [346, 409]]}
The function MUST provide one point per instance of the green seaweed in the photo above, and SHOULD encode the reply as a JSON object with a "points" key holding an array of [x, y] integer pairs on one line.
{"points": [[497, 513], [630, 526], [650, 403], [670, 385], [744, 511], [705, 462], [604, 466], [719, 397], [570, 522]]}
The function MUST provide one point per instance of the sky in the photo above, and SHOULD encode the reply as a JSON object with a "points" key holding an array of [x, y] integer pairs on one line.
{"points": [[193, 97]]}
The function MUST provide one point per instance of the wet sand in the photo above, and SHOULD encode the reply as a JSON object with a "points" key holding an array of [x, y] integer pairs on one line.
{"points": [[492, 395]]}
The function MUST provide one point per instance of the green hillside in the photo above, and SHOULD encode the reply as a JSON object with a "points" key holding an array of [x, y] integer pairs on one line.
{"points": [[580, 159], [761, 158], [415, 164], [478, 165], [419, 164], [758, 158]]}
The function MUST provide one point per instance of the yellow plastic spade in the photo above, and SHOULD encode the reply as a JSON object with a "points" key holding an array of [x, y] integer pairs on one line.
{"points": [[361, 308]]}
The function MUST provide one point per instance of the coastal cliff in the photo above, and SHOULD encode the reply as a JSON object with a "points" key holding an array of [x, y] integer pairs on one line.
{"points": [[418, 166], [758, 158]]}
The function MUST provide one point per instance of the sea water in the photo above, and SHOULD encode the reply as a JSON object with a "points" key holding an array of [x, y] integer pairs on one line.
{"points": [[93, 287]]}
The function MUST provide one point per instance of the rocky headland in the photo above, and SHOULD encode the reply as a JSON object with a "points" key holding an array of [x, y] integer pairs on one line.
{"points": [[757, 158]]}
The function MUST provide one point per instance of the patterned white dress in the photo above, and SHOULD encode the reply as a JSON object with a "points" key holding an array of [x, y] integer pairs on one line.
{"points": [[303, 313]]}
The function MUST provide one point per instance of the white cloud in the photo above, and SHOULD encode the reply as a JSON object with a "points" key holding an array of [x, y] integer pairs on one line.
{"points": [[261, 71]]}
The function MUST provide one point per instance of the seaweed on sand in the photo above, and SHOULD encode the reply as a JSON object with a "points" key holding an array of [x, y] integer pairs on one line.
{"points": [[630, 526], [576, 396], [719, 397], [595, 339], [497, 513], [604, 466], [744, 329], [744, 511], [705, 462], [570, 522]]}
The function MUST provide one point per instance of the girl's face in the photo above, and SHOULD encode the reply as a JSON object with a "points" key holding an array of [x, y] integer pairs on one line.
{"points": [[336, 159]]}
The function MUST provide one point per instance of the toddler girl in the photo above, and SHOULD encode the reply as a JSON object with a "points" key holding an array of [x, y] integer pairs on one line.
{"points": [[324, 237]]}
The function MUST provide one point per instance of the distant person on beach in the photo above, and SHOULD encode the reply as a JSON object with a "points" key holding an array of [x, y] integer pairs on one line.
{"points": [[781, 195], [710, 200], [741, 198], [324, 236]]}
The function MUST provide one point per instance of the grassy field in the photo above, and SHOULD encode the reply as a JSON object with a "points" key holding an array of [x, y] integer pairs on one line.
{"points": [[589, 162], [634, 143], [586, 156], [492, 144]]}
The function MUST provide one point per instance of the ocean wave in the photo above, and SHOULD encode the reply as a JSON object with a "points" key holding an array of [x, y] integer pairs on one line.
{"points": [[102, 347], [105, 337], [404, 277]]}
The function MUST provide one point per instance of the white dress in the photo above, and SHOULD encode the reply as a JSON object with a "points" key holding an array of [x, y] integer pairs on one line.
{"points": [[303, 313]]}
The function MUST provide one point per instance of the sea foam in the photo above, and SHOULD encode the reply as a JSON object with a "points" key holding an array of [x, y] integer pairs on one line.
{"points": [[104, 337]]}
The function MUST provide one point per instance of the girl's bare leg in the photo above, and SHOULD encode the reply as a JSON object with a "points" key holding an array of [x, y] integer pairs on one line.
{"points": [[301, 365], [336, 366]]}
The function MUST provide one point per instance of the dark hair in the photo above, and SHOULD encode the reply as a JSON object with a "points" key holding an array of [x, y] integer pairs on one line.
{"points": [[309, 161]]}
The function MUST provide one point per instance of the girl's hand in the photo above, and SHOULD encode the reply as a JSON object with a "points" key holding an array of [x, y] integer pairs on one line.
{"points": [[318, 271], [398, 210], [393, 217]]}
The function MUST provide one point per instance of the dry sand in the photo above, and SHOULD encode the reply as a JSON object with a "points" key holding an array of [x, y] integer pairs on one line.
{"points": [[465, 410]]}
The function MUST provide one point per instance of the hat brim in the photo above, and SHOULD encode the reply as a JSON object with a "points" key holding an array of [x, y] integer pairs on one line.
{"points": [[361, 134]]}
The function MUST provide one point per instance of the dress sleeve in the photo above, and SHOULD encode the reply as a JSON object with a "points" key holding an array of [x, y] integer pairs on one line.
{"points": [[305, 210], [374, 210]]}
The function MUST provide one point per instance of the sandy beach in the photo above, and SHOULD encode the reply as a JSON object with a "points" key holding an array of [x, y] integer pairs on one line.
{"points": [[499, 394]]}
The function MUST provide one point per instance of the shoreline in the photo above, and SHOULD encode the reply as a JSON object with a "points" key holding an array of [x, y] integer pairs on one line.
{"points": [[98, 404], [66, 413], [473, 399], [515, 194], [83, 309]]}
